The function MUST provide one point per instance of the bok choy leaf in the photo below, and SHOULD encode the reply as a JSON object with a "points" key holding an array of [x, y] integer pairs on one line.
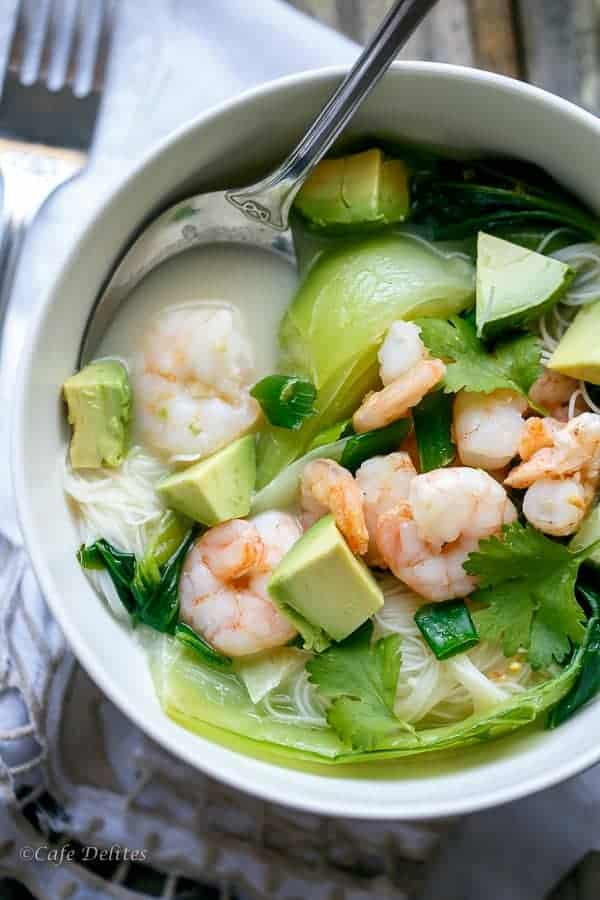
{"points": [[147, 588]]}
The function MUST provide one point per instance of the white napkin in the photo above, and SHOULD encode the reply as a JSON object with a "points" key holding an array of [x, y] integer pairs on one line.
{"points": [[172, 60]]}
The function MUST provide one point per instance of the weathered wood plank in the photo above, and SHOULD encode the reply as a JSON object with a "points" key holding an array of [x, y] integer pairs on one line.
{"points": [[561, 41], [494, 36], [445, 35]]}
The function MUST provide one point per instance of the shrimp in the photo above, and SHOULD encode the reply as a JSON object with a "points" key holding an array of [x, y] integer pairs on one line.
{"points": [[536, 435], [384, 482], [552, 391], [555, 506], [488, 427], [191, 382], [223, 587], [407, 373], [327, 487], [561, 471], [426, 539]]}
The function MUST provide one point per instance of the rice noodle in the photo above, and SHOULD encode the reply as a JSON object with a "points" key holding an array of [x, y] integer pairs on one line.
{"points": [[437, 692], [584, 258], [434, 248], [295, 703], [120, 505]]}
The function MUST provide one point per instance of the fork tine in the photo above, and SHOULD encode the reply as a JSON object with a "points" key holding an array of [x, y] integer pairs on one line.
{"points": [[105, 30], [76, 48], [19, 38], [49, 44], [90, 47]]}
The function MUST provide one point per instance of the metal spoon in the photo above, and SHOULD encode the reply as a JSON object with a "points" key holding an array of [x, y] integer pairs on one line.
{"points": [[257, 215]]}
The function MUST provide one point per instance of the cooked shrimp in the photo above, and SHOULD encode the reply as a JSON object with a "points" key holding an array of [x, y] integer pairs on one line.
{"points": [[407, 372], [561, 450], [561, 471], [555, 506], [327, 487], [552, 392], [426, 540], [192, 380], [537, 434], [384, 482], [401, 350], [488, 427], [223, 587]]}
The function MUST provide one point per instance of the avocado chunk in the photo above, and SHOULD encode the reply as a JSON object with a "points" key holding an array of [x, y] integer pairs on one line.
{"points": [[589, 531], [578, 352], [323, 588], [363, 188], [217, 488], [514, 285], [99, 408]]}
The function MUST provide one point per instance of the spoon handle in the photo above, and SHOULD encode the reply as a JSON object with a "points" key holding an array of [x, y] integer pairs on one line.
{"points": [[270, 200]]}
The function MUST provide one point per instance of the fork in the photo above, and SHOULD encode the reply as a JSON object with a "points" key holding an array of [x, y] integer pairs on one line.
{"points": [[46, 132]]}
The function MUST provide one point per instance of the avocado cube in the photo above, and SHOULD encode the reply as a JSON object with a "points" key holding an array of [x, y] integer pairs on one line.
{"points": [[217, 488], [578, 352], [514, 285], [99, 408], [362, 188], [323, 588]]}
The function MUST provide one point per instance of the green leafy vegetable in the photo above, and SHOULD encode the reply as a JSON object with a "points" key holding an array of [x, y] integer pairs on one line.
{"points": [[147, 589], [587, 684], [433, 429], [216, 704], [285, 400], [171, 531], [360, 447], [119, 565], [513, 364], [455, 199], [155, 589], [208, 654], [331, 434], [527, 583], [447, 627], [359, 678]]}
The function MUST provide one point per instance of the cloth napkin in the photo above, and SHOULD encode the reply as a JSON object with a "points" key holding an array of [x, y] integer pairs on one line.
{"points": [[68, 759]]}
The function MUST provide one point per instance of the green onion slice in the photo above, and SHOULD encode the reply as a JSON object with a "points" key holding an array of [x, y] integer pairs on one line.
{"points": [[373, 443], [285, 400], [447, 627], [433, 423]]}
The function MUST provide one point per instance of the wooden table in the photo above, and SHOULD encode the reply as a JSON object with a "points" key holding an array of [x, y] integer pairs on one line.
{"points": [[552, 43]]}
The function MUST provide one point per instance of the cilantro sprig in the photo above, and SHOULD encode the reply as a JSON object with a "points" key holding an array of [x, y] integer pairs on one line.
{"points": [[527, 584], [472, 366], [359, 679]]}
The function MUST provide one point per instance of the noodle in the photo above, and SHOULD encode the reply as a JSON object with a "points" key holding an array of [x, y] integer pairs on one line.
{"points": [[440, 692], [584, 258]]}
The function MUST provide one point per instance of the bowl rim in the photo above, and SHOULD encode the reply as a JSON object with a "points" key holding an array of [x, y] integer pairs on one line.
{"points": [[275, 793]]}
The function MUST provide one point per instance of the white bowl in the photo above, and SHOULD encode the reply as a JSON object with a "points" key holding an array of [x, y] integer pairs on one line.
{"points": [[439, 104]]}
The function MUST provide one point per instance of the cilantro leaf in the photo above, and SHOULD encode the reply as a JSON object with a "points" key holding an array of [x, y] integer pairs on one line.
{"points": [[359, 678], [513, 364], [527, 583]]}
